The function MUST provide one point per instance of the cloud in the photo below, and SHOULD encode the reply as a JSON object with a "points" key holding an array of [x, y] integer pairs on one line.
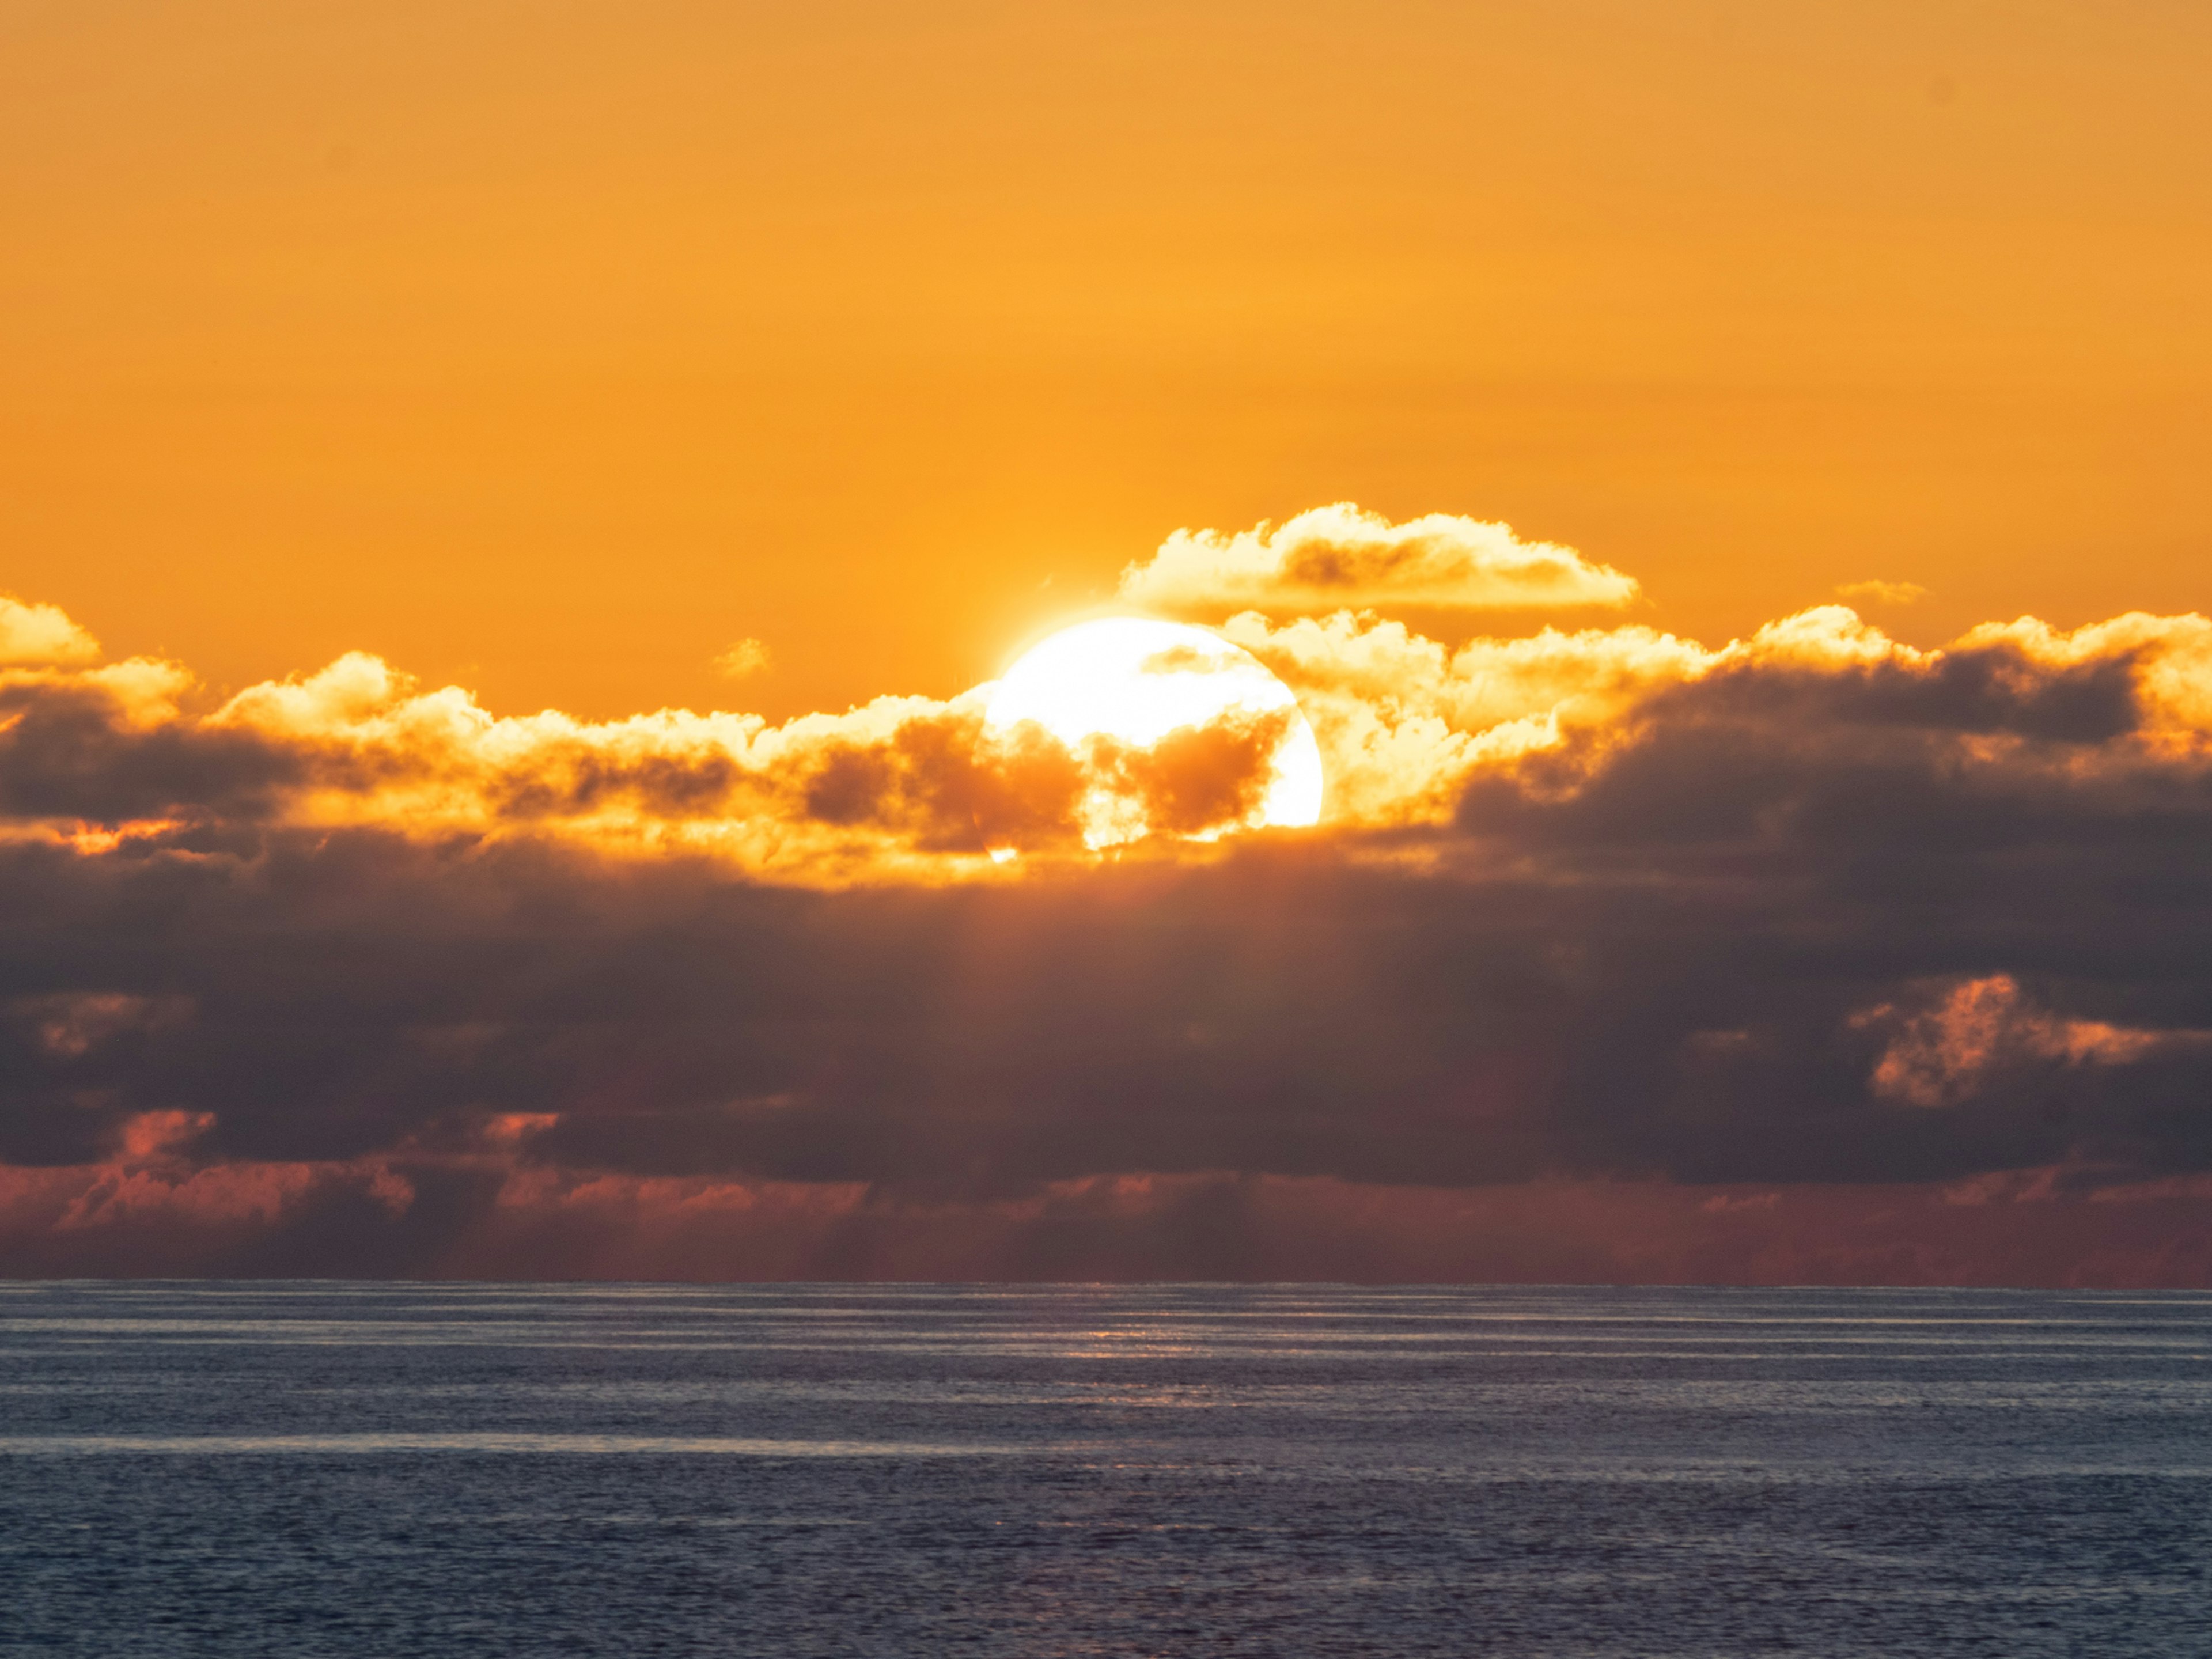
{"points": [[35, 635], [104, 748], [746, 658], [1340, 557], [1882, 592], [901, 787], [1605, 926], [1951, 1050], [69, 1024], [1403, 721], [483, 1215]]}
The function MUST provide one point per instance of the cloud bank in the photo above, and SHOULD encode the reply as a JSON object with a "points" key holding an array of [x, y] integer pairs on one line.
{"points": [[1809, 957]]}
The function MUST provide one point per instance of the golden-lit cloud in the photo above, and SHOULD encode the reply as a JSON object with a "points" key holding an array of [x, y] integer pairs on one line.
{"points": [[901, 787], [1340, 557], [1403, 719], [41, 635], [920, 787]]}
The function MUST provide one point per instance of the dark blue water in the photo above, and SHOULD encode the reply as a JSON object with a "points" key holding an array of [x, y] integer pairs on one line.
{"points": [[306, 1469]]}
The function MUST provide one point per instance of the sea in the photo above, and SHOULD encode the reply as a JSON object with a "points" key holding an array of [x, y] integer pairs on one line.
{"points": [[448, 1469]]}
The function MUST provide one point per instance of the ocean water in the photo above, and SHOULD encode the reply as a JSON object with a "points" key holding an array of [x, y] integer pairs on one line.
{"points": [[906, 1470]]}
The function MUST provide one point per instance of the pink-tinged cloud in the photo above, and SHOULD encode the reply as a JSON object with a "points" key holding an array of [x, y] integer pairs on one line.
{"points": [[490, 1218]]}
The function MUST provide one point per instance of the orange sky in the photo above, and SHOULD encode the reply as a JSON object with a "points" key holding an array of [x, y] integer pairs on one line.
{"points": [[553, 348]]}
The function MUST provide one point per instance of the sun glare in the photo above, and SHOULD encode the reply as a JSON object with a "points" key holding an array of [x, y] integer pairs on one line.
{"points": [[1135, 680]]}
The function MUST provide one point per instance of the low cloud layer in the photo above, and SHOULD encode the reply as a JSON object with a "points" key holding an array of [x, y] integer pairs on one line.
{"points": [[1809, 957], [1340, 557]]}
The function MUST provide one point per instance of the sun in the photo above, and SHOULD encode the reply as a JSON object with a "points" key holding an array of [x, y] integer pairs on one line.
{"points": [[1136, 680]]}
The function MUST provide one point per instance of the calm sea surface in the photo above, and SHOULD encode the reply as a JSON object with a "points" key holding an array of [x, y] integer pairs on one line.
{"points": [[445, 1469]]}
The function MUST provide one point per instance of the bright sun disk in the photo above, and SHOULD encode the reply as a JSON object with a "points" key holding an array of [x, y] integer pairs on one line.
{"points": [[1135, 680]]}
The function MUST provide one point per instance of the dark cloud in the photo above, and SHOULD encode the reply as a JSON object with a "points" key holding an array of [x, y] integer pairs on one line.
{"points": [[1787, 923], [575, 779], [72, 749], [1200, 778], [938, 781], [1996, 687]]}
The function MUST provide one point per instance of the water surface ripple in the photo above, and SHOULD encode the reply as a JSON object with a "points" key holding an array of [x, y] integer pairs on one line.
{"points": [[306, 1469]]}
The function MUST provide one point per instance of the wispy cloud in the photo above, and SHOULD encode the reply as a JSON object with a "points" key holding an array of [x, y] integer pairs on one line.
{"points": [[746, 658], [1882, 592]]}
